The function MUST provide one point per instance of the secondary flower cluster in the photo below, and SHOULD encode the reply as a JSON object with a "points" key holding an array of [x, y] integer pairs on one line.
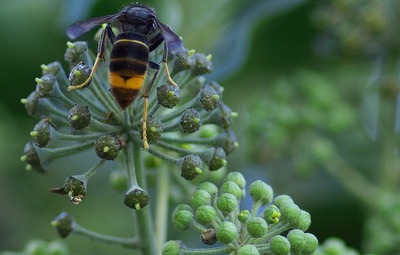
{"points": [[335, 246], [37, 246], [216, 214], [358, 27], [177, 126]]}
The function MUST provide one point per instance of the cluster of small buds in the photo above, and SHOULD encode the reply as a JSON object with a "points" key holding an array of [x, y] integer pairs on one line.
{"points": [[356, 26], [216, 214], [335, 246], [90, 118], [41, 247]]}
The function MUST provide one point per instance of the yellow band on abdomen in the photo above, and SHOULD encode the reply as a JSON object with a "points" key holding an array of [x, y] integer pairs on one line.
{"points": [[133, 83]]}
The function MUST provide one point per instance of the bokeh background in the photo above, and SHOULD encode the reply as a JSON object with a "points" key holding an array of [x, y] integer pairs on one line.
{"points": [[315, 84]]}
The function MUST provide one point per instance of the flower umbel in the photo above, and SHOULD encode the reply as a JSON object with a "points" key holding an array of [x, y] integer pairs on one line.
{"points": [[90, 118], [216, 214]]}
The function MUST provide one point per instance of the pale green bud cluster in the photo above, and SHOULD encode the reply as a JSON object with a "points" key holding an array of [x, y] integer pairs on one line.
{"points": [[217, 215]]}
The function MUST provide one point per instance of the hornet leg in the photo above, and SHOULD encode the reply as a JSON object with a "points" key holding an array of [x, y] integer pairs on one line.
{"points": [[100, 56], [146, 104], [164, 60]]}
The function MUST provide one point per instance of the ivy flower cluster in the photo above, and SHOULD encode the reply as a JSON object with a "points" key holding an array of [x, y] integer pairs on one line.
{"points": [[356, 27], [216, 214], [187, 126], [38, 246]]}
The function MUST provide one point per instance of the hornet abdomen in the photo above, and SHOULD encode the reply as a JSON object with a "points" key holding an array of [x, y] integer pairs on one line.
{"points": [[129, 59]]}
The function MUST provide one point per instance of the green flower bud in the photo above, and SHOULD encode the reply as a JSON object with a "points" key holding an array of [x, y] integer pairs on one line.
{"points": [[210, 187], [108, 146], [191, 166], [271, 214], [205, 214], [31, 103], [261, 192], [199, 198], [36, 247], [279, 245], [52, 68], [248, 249], [183, 60], [32, 158], [41, 133], [281, 199], [296, 238], [256, 227], [136, 198], [79, 117], [119, 180], [304, 221], [63, 223], [154, 129], [202, 65], [227, 232], [209, 236], [190, 121], [227, 140], [79, 74], [183, 207], [74, 187], [244, 216], [227, 202], [232, 188], [168, 95], [45, 85], [182, 220], [311, 244], [172, 247], [290, 212], [57, 247], [216, 87], [218, 160], [209, 98], [237, 178], [334, 246], [221, 116], [74, 52], [214, 157]]}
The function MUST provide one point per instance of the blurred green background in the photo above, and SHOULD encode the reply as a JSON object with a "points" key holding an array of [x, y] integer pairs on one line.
{"points": [[306, 77]]}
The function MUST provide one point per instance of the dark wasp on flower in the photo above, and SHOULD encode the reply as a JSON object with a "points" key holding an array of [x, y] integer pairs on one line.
{"points": [[188, 126]]}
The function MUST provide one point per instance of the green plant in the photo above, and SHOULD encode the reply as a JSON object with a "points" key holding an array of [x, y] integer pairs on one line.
{"points": [[187, 129]]}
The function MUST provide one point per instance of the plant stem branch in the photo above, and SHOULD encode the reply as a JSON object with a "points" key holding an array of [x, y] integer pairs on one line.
{"points": [[163, 184], [119, 241]]}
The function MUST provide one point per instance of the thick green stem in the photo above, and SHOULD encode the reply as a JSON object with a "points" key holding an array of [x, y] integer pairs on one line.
{"points": [[130, 163], [144, 219], [161, 222]]}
